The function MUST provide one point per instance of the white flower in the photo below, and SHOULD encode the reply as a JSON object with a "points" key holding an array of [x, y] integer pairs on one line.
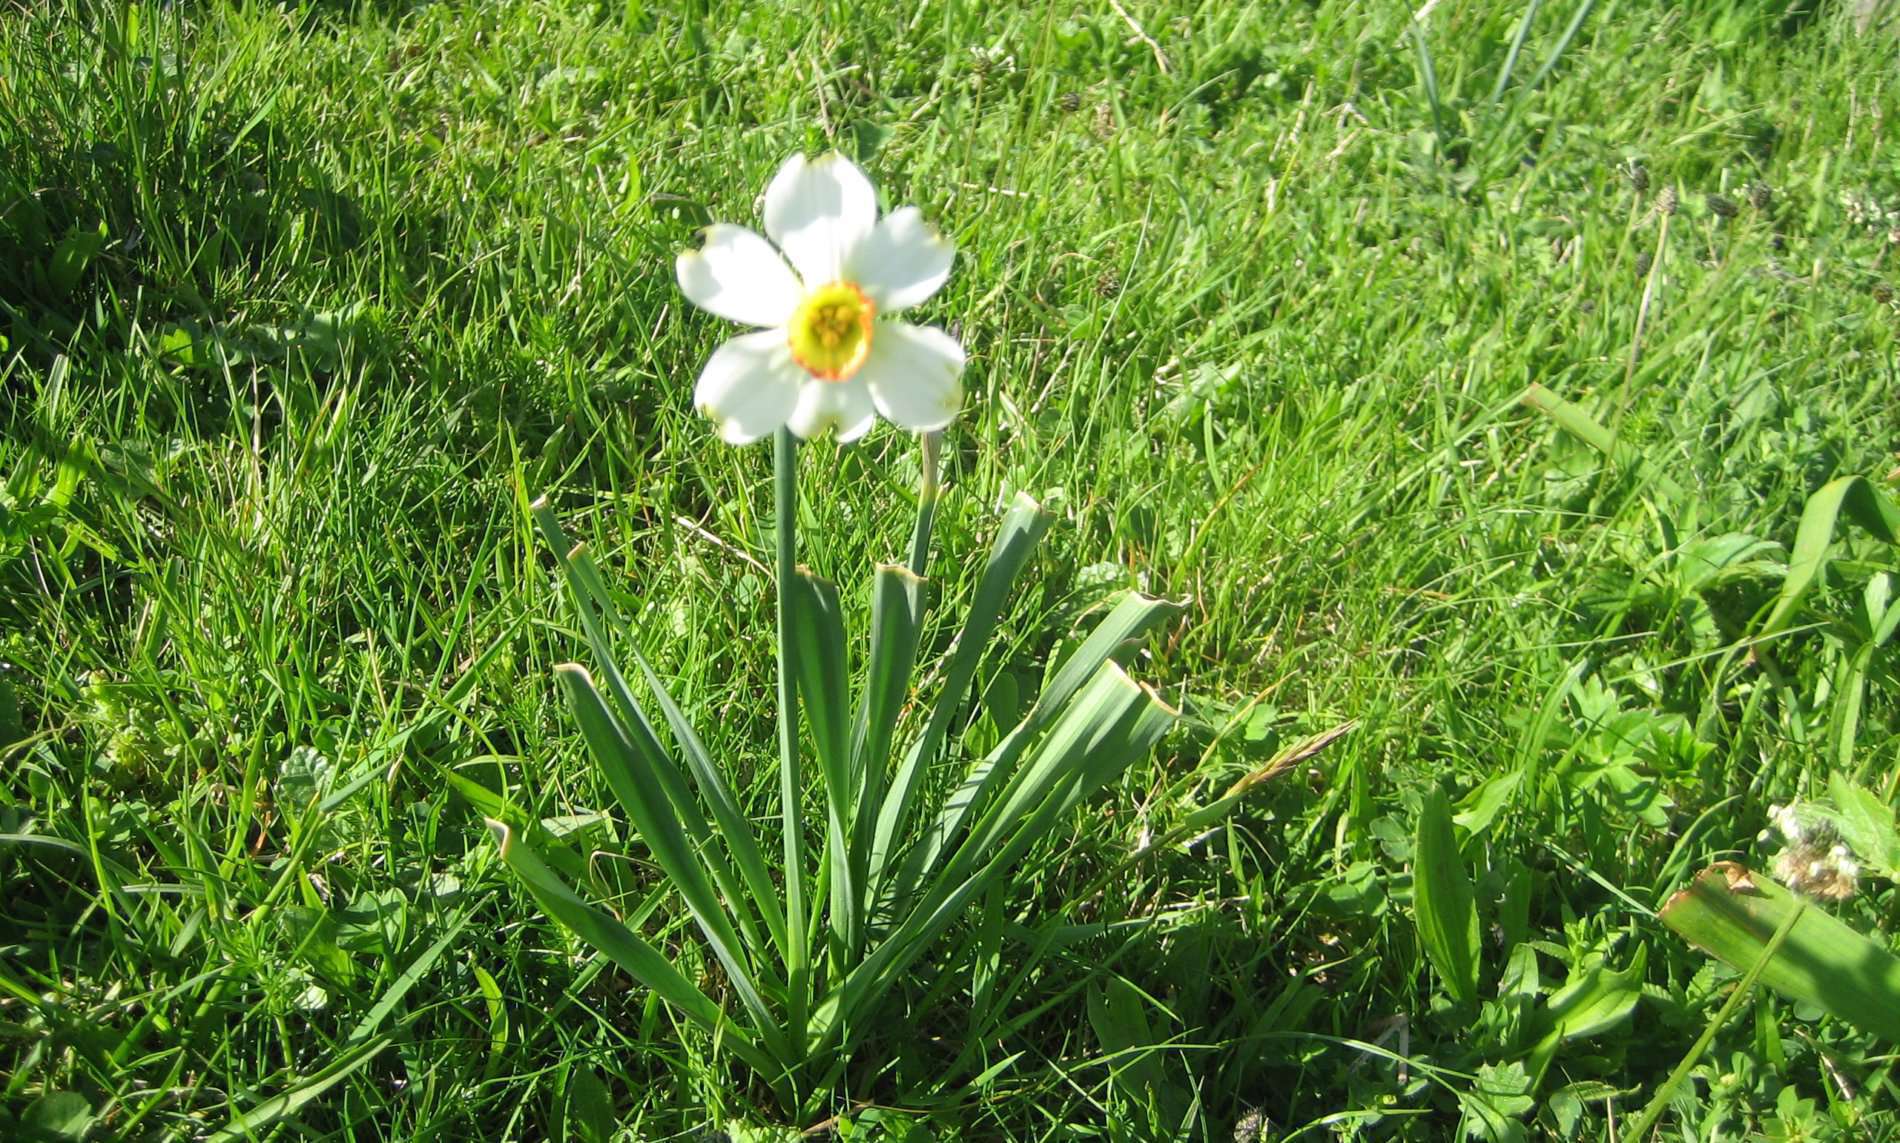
{"points": [[829, 357]]}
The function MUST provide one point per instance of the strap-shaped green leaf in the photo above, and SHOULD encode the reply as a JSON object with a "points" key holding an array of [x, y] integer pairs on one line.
{"points": [[659, 764], [734, 827], [791, 780], [1068, 766], [1113, 723], [897, 613], [640, 960], [930, 452], [817, 631], [1130, 617], [1733, 915], [824, 682], [593, 602], [633, 767], [1022, 530]]}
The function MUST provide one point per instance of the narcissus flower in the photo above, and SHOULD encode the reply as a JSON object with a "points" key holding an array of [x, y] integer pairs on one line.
{"points": [[829, 357]]}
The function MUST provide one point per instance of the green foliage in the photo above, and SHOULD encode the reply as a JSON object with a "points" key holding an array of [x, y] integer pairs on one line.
{"points": [[891, 900], [1866, 823], [1819, 960], [1443, 902], [1253, 327]]}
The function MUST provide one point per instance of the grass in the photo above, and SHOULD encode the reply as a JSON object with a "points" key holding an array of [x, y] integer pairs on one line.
{"points": [[305, 304]]}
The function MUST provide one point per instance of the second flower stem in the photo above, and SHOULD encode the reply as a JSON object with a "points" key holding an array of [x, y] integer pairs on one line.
{"points": [[931, 446]]}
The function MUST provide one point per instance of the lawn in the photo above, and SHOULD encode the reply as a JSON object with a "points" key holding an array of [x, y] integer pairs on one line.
{"points": [[304, 304]]}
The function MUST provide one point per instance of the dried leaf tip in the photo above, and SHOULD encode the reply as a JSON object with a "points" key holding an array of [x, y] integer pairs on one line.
{"points": [[504, 836]]}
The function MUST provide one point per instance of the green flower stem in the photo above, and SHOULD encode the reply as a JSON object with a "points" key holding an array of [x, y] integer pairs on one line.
{"points": [[931, 447], [798, 958]]}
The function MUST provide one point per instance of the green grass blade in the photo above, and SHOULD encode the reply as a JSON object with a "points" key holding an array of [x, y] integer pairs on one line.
{"points": [[1732, 914], [632, 767], [1289, 756], [1517, 46], [1428, 83], [362, 1044], [640, 960], [1021, 531], [372, 1020], [250, 1123], [489, 804], [1443, 902], [1563, 45], [1645, 1122]]}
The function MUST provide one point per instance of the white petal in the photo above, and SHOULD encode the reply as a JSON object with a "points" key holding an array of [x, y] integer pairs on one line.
{"points": [[818, 212], [749, 386], [738, 276], [903, 262], [842, 407], [914, 373]]}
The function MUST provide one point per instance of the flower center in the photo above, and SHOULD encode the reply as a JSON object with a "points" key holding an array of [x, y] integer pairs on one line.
{"points": [[830, 332]]}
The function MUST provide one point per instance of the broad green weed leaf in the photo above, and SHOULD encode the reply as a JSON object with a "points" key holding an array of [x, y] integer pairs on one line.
{"points": [[58, 1115], [1443, 903], [74, 253], [1573, 419], [590, 1110], [1596, 999], [11, 727], [1119, 1017], [1867, 824], [1483, 804]]}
